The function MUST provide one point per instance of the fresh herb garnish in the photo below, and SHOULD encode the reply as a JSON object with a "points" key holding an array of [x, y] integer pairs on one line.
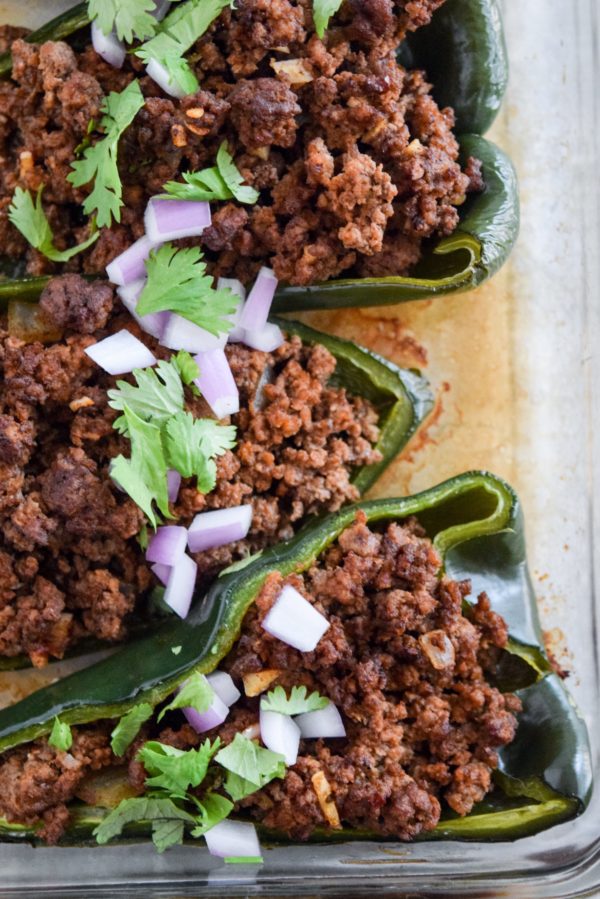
{"points": [[213, 809], [129, 19], [60, 737], [323, 10], [31, 221], [196, 693], [177, 33], [192, 444], [156, 396], [221, 182], [99, 163], [297, 704], [186, 366], [129, 727], [178, 282], [250, 763], [176, 770], [160, 810]]}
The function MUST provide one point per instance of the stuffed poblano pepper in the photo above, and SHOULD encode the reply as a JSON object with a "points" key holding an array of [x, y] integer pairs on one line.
{"points": [[380, 675], [323, 138], [104, 474]]}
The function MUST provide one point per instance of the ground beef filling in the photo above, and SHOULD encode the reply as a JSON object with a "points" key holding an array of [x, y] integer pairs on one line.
{"points": [[70, 562], [355, 163], [402, 663]]}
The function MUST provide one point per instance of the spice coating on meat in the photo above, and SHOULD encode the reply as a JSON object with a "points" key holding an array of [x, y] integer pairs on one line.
{"points": [[70, 562], [355, 163]]}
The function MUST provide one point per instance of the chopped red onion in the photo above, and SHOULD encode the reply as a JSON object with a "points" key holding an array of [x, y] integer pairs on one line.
{"points": [[167, 545], [120, 353], [267, 339], [294, 621], [216, 383], [325, 722], [173, 484], [233, 839], [162, 572], [181, 585], [108, 46], [280, 734], [161, 9], [209, 530], [258, 305], [236, 335], [131, 264], [212, 717], [223, 685], [181, 334], [162, 77], [153, 323], [173, 219]]}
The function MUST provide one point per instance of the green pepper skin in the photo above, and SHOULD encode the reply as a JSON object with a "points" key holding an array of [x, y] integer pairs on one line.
{"points": [[476, 525], [57, 29]]}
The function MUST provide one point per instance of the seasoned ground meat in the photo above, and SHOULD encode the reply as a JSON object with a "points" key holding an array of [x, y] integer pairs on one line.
{"points": [[401, 660], [70, 562], [355, 163]]}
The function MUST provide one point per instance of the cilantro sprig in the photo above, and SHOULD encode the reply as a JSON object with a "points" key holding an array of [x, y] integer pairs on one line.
{"points": [[196, 693], [178, 32], [129, 726], [60, 737], [323, 10], [99, 162], [178, 282], [129, 19], [296, 704], [30, 219], [221, 182]]}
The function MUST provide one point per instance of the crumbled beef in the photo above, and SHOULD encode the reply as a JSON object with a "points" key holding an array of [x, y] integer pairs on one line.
{"points": [[355, 163], [73, 304]]}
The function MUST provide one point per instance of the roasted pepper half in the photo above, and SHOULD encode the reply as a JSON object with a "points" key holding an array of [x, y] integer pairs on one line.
{"points": [[463, 52], [475, 522]]}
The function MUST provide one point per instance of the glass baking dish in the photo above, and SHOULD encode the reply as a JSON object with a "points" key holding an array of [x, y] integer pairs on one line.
{"points": [[517, 372]]}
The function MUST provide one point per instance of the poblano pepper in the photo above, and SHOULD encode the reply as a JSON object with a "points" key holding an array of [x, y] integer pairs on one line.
{"points": [[476, 525], [464, 54]]}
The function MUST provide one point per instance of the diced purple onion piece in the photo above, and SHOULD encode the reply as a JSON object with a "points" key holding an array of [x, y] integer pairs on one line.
{"points": [[173, 484], [233, 839], [131, 264], [173, 219], [294, 621], [108, 46], [236, 335], [267, 339], [162, 77], [162, 572], [209, 530], [323, 723], [180, 586], [161, 9], [153, 323], [120, 353], [223, 685], [280, 734], [216, 383], [258, 305], [167, 545], [215, 715], [181, 334]]}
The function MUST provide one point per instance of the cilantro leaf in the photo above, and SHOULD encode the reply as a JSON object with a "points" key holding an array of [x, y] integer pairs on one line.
{"points": [[128, 18], [99, 163], [177, 282], [221, 182], [60, 736], [128, 727], [191, 445], [323, 10], [233, 178], [155, 398], [238, 788], [250, 762], [142, 808], [29, 218], [176, 770], [177, 33], [297, 703], [167, 833], [196, 693], [144, 475], [213, 809], [186, 366]]}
